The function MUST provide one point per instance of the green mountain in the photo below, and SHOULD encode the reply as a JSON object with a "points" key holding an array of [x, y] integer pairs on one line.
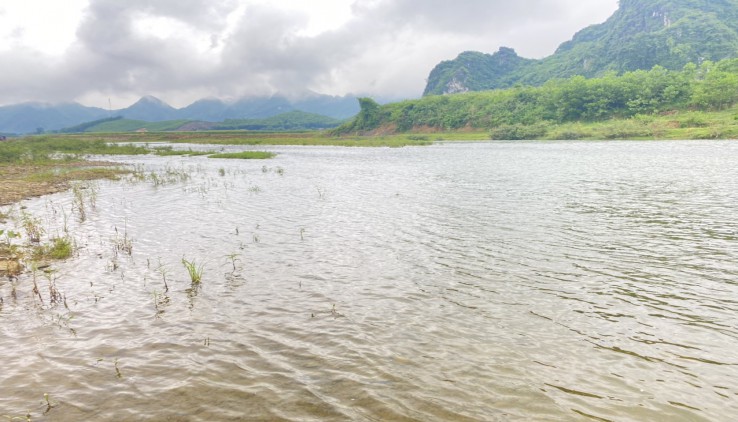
{"points": [[639, 35]]}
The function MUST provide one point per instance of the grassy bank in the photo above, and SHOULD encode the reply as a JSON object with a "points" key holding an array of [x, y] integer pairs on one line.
{"points": [[40, 165], [673, 125], [311, 138]]}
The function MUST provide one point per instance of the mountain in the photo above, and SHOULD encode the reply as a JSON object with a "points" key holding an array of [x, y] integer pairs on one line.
{"points": [[149, 109], [35, 117], [474, 71], [639, 35]]}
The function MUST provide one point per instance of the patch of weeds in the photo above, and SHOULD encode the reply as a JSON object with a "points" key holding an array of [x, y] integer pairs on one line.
{"points": [[59, 248], [32, 227]]}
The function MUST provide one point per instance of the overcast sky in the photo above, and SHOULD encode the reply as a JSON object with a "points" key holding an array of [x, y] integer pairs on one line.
{"points": [[183, 50]]}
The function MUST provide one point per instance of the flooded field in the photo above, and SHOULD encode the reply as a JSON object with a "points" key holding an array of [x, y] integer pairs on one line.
{"points": [[501, 281]]}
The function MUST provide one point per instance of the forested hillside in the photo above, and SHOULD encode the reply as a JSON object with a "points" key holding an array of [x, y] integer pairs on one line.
{"points": [[528, 110], [641, 34]]}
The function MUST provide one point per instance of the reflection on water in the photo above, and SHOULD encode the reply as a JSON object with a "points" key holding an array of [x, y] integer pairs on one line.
{"points": [[494, 281]]}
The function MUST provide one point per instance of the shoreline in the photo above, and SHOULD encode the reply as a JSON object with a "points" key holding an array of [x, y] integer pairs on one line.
{"points": [[19, 182]]}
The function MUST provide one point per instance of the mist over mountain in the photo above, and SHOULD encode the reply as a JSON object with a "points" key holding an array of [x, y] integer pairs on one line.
{"points": [[37, 117], [639, 35]]}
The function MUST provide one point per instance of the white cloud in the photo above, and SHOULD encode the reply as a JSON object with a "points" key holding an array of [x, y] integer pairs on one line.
{"points": [[181, 50], [42, 25]]}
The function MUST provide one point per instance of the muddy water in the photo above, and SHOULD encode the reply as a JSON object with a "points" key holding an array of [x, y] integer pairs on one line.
{"points": [[498, 281]]}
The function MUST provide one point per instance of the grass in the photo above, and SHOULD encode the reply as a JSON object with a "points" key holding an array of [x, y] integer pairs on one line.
{"points": [[673, 125], [245, 155], [59, 249], [269, 138], [193, 270], [169, 151]]}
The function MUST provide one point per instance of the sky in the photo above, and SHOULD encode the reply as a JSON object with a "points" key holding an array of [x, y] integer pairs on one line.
{"points": [[112, 52]]}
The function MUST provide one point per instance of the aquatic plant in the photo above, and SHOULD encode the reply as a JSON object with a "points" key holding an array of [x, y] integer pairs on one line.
{"points": [[194, 270], [163, 271], [78, 201], [59, 248], [117, 369], [123, 244], [232, 258], [49, 404], [160, 300], [32, 227]]}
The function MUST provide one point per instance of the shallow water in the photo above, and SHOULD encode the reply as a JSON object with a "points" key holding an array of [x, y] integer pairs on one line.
{"points": [[491, 281]]}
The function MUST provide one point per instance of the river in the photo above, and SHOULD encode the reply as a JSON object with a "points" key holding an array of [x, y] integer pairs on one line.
{"points": [[497, 281]]}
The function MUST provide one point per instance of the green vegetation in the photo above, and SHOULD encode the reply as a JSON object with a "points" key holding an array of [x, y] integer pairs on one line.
{"points": [[293, 120], [474, 71], [699, 93], [193, 270], [40, 150], [59, 249], [169, 151], [245, 155], [312, 138], [639, 36], [84, 127], [125, 125]]}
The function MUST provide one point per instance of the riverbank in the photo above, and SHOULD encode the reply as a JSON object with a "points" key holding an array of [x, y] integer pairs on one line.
{"points": [[19, 181]]}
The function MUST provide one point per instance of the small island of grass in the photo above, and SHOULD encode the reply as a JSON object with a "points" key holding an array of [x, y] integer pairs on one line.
{"points": [[245, 155]]}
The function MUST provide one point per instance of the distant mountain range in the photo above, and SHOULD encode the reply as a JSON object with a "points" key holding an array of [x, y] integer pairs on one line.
{"points": [[38, 117], [639, 35]]}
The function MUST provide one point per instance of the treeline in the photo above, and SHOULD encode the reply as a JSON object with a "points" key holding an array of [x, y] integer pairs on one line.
{"points": [[709, 86]]}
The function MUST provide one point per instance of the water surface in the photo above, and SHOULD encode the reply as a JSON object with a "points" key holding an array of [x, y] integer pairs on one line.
{"points": [[488, 281]]}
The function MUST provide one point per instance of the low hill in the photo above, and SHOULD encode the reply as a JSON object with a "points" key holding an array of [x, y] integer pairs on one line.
{"points": [[293, 120], [290, 121], [639, 35]]}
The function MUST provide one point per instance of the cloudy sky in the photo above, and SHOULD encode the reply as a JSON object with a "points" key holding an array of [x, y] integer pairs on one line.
{"points": [[91, 51]]}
